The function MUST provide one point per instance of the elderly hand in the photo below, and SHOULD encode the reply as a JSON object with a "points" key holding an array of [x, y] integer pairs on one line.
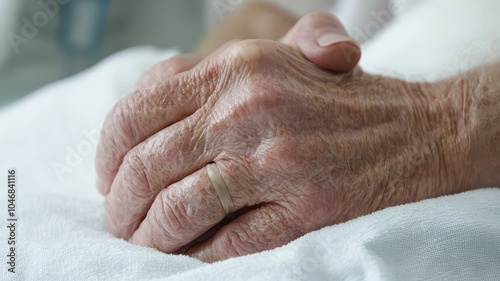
{"points": [[299, 148]]}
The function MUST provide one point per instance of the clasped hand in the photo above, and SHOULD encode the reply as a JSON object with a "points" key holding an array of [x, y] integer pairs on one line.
{"points": [[298, 146]]}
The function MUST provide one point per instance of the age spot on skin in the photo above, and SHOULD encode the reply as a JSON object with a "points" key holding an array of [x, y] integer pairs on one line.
{"points": [[246, 52]]}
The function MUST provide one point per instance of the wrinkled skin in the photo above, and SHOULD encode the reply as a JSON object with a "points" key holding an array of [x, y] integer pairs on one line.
{"points": [[303, 147]]}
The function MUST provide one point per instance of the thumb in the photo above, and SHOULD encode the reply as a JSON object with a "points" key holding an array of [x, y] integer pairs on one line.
{"points": [[324, 41]]}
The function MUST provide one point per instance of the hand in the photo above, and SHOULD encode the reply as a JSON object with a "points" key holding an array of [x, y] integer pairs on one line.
{"points": [[302, 147], [319, 36]]}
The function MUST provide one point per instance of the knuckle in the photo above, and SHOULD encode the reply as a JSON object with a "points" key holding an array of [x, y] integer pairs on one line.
{"points": [[237, 242], [135, 175], [171, 66], [119, 126], [263, 99], [250, 53], [115, 138], [171, 219], [284, 156], [313, 17], [124, 117]]}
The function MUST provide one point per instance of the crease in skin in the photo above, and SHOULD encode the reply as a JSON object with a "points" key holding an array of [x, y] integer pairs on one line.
{"points": [[247, 52]]}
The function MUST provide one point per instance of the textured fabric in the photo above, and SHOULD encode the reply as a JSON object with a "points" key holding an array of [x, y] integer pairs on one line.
{"points": [[50, 138]]}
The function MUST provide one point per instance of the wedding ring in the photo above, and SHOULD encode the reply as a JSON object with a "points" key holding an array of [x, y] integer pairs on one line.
{"points": [[220, 187]]}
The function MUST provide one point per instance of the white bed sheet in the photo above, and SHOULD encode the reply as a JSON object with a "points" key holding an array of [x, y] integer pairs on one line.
{"points": [[50, 138]]}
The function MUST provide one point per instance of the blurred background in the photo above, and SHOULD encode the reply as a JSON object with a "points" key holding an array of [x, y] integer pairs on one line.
{"points": [[43, 41], [47, 40]]}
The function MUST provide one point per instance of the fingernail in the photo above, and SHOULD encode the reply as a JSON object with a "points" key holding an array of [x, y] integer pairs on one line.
{"points": [[332, 38]]}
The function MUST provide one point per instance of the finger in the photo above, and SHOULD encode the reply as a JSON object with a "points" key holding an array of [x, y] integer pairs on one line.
{"points": [[166, 68], [324, 41], [161, 160], [265, 228], [145, 112], [123, 130], [183, 212], [156, 74]]}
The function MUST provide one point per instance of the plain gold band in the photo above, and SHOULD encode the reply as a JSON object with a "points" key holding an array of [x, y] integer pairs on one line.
{"points": [[220, 187]]}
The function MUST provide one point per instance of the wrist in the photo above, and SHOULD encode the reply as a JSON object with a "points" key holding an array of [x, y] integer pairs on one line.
{"points": [[448, 117], [484, 85], [472, 103]]}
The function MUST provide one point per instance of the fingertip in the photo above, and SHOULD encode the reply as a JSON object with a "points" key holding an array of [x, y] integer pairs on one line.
{"points": [[201, 253], [101, 187]]}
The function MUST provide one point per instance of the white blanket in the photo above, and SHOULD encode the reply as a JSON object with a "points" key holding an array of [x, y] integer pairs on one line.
{"points": [[50, 138]]}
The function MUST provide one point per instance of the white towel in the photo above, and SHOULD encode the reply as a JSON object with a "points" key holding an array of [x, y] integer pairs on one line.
{"points": [[50, 138]]}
